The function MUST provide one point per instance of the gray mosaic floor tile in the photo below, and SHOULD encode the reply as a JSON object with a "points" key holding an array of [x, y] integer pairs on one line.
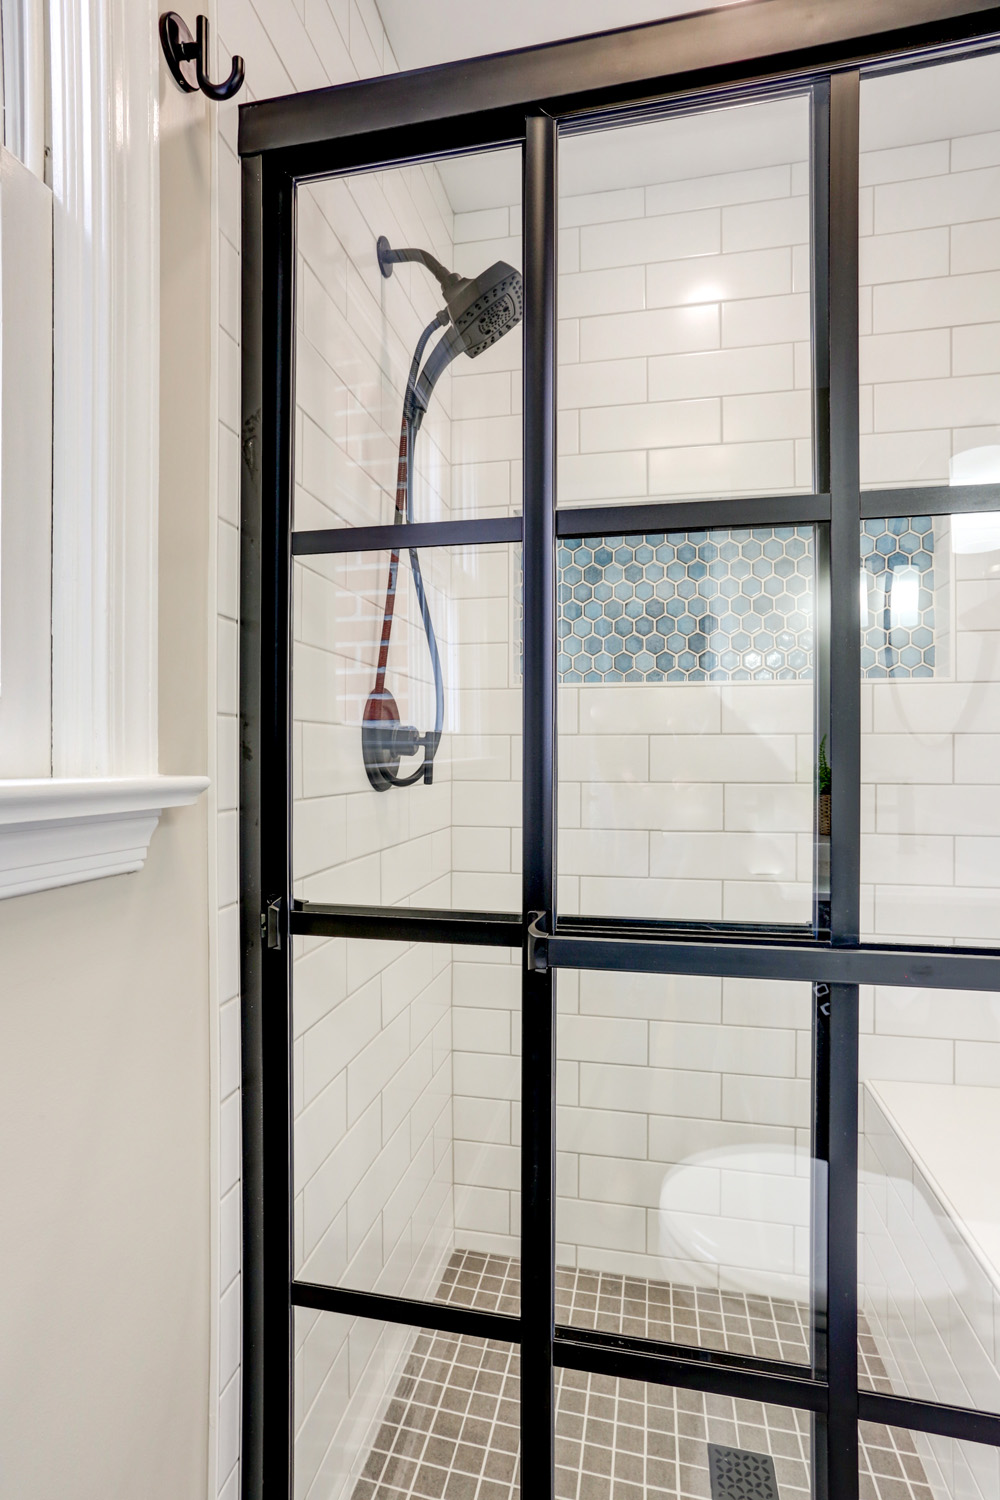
{"points": [[450, 1431]]}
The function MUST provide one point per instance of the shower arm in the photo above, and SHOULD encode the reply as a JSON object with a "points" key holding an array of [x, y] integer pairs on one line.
{"points": [[388, 257]]}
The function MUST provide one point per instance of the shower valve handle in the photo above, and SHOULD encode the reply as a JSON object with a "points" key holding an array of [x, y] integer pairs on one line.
{"points": [[397, 740]]}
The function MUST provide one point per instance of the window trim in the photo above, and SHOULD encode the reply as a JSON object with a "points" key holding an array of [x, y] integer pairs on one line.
{"points": [[105, 412], [25, 470], [105, 388]]}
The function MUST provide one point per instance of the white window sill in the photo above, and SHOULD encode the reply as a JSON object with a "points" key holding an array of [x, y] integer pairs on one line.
{"points": [[58, 832]]}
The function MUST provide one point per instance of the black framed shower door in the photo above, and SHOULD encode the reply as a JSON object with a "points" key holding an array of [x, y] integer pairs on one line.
{"points": [[525, 101]]}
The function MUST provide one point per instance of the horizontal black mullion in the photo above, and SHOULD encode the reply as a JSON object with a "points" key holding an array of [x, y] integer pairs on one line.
{"points": [[926, 1416], [934, 500], [949, 969], [716, 1377], [692, 515], [706, 1370], [444, 1317], [697, 1354], [411, 924], [667, 928], [474, 533], [488, 130]]}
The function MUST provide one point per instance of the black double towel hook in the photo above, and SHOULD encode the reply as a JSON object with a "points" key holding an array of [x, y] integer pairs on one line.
{"points": [[181, 49]]}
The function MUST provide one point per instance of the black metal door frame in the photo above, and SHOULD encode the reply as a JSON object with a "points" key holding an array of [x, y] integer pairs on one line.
{"points": [[522, 98]]}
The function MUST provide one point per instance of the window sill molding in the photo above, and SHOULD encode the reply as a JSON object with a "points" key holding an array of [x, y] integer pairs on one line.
{"points": [[58, 831]]}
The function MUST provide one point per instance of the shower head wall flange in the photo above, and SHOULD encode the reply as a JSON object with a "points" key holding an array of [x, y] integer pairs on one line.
{"points": [[449, 281]]}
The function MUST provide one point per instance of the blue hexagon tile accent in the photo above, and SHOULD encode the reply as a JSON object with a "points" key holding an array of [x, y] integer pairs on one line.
{"points": [[687, 606], [897, 558], [733, 605]]}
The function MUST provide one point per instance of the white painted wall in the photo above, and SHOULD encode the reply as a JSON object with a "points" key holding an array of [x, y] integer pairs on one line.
{"points": [[105, 1031]]}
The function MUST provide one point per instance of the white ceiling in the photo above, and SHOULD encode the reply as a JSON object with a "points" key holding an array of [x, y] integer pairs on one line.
{"points": [[423, 32]]}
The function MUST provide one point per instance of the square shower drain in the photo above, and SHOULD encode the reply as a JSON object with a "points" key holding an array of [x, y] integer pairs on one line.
{"points": [[737, 1474]]}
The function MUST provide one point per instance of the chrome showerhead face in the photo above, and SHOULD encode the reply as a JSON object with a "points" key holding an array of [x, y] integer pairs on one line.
{"points": [[486, 307]]}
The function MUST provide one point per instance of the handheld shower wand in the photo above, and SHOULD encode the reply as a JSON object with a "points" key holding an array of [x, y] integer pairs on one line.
{"points": [[477, 312]]}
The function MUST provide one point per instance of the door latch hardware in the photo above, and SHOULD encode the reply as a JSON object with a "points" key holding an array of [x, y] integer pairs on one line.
{"points": [[270, 924], [538, 946]]}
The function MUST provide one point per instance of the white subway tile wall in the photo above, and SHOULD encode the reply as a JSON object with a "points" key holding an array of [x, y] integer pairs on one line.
{"points": [[930, 843], [686, 296], [287, 46], [351, 841], [692, 800], [683, 1131], [684, 369], [930, 414], [930, 254], [930, 272]]}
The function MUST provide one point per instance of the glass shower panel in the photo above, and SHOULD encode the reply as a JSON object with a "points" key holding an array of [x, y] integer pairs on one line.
{"points": [[684, 1167], [930, 275], [362, 317], [382, 1410], [895, 1464], [398, 675], [632, 1439], [930, 746], [406, 1131], [687, 756], [684, 306], [929, 1207]]}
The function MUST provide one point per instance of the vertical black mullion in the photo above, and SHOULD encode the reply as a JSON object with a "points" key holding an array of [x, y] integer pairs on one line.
{"points": [[820, 299], [251, 797], [842, 1246], [844, 753], [819, 158], [268, 321], [539, 812], [822, 714], [819, 123], [844, 746], [818, 1228]]}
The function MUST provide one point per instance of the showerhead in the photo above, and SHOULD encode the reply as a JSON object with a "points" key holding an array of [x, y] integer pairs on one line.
{"points": [[482, 309], [485, 308]]}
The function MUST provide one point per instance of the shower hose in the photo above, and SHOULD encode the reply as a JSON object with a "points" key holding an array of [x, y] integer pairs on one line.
{"points": [[412, 415]]}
